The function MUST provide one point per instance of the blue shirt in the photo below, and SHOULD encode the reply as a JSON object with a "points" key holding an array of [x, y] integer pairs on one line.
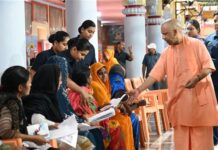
{"points": [[211, 43], [149, 61]]}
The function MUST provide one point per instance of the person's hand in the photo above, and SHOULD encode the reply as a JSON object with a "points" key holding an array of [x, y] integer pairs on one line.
{"points": [[85, 98], [130, 49], [39, 139], [133, 94], [191, 83]]}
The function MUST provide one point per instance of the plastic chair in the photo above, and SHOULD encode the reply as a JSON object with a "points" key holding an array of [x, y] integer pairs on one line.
{"points": [[14, 141], [151, 107], [162, 99], [18, 142]]}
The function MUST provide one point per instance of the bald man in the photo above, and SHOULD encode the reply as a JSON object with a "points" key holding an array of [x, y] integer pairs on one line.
{"points": [[191, 101]]}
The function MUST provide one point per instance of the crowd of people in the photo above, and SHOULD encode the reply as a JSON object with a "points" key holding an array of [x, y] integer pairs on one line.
{"points": [[69, 82]]}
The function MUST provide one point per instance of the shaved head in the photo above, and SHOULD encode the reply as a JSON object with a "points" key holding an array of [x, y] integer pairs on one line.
{"points": [[171, 31], [172, 24]]}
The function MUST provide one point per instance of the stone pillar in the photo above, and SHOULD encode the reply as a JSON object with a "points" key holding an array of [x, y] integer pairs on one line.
{"points": [[153, 23], [78, 11], [12, 31], [134, 33]]}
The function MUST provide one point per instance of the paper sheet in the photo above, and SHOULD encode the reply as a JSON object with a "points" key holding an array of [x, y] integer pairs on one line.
{"points": [[116, 101]]}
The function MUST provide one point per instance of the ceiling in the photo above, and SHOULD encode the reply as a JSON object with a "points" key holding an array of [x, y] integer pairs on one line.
{"points": [[110, 11]]}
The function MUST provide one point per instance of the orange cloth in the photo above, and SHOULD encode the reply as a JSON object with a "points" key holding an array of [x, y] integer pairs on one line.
{"points": [[102, 96], [111, 59], [193, 138], [188, 107], [101, 91]]}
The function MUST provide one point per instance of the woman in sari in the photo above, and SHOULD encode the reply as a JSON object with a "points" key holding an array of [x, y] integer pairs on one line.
{"points": [[101, 88]]}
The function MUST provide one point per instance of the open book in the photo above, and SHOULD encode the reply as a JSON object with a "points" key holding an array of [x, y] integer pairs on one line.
{"points": [[107, 111]]}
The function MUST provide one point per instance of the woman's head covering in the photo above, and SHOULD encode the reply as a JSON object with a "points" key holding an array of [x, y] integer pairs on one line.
{"points": [[63, 101], [101, 89], [43, 97], [46, 79], [116, 77], [111, 59], [61, 62], [117, 69]]}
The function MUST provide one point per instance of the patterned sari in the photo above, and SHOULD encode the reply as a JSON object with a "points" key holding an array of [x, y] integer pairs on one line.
{"points": [[102, 96]]}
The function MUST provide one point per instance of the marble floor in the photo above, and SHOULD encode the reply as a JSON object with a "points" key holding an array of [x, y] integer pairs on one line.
{"points": [[163, 142]]}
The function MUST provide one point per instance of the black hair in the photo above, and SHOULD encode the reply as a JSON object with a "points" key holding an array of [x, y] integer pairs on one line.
{"points": [[46, 79], [13, 77], [215, 13], [81, 44], [82, 76], [59, 36], [196, 24], [86, 24], [119, 42]]}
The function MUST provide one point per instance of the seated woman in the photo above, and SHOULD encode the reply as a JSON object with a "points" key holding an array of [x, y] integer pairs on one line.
{"points": [[15, 83], [111, 128], [116, 76], [63, 101], [42, 105], [101, 87]]}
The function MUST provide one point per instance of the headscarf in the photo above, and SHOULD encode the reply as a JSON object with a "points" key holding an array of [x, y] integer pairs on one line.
{"points": [[116, 77], [43, 97], [63, 101], [101, 89], [111, 60]]}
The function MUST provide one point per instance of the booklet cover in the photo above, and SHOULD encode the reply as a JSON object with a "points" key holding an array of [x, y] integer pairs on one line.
{"points": [[102, 115], [39, 129]]}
